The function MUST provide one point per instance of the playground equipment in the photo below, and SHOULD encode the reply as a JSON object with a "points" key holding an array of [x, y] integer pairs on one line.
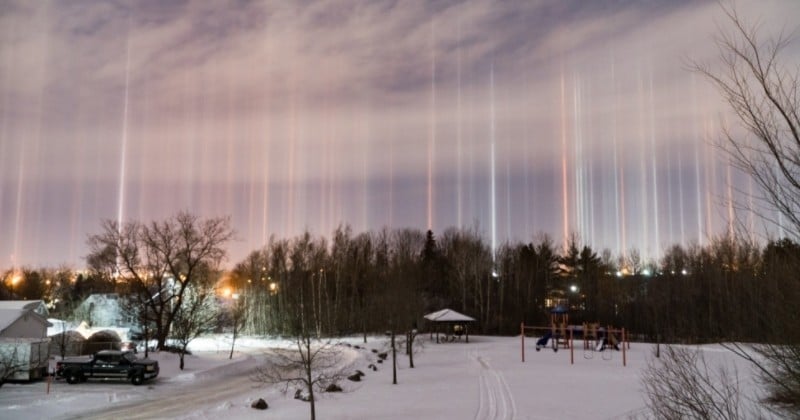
{"points": [[595, 339], [559, 319]]}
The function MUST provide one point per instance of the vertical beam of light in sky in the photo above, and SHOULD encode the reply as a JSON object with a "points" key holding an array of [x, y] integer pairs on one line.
{"points": [[493, 187], [3, 134], [508, 196], [265, 167], [645, 223], [391, 185], [459, 181], [622, 204], [654, 165], [195, 110], [29, 154], [564, 192], [365, 136], [729, 199], [698, 137], [124, 141], [264, 137], [327, 189], [77, 195], [288, 210], [432, 133], [708, 180], [232, 132], [578, 158], [474, 201], [614, 141], [698, 193], [681, 212], [18, 215], [528, 144], [4, 127], [670, 210], [751, 222]]}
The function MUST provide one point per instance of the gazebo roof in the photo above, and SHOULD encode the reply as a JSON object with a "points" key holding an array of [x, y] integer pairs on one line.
{"points": [[448, 315]]}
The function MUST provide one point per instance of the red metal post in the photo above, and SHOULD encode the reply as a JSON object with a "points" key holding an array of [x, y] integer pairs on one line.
{"points": [[624, 340], [571, 348]]}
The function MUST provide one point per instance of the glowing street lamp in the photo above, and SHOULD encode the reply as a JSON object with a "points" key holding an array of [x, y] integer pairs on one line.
{"points": [[14, 280]]}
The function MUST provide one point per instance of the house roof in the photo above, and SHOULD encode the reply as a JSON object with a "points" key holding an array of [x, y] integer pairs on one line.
{"points": [[12, 310], [448, 315], [9, 315], [37, 306]]}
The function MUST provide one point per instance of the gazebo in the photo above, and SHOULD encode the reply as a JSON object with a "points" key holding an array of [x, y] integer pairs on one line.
{"points": [[455, 324]]}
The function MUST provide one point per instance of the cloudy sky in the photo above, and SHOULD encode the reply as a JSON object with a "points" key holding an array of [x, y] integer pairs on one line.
{"points": [[518, 118]]}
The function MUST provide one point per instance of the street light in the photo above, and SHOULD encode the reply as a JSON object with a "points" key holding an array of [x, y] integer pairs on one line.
{"points": [[16, 278]]}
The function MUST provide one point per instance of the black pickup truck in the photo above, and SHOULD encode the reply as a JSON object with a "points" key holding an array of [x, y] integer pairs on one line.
{"points": [[107, 364]]}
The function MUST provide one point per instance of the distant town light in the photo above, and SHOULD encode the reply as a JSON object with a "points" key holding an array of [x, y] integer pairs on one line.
{"points": [[573, 288], [619, 273]]}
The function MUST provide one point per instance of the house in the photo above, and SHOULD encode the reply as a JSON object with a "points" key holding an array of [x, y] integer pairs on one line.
{"points": [[23, 339], [23, 319], [104, 310], [37, 306]]}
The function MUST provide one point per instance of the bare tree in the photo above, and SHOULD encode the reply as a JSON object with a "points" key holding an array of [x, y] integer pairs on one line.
{"points": [[11, 362], [762, 90], [160, 261], [238, 310], [681, 385], [777, 367], [313, 365], [197, 315], [760, 85]]}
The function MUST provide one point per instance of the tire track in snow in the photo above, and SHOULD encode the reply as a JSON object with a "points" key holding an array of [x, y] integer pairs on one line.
{"points": [[495, 400]]}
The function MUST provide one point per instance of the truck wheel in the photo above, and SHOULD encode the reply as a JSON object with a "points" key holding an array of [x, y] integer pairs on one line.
{"points": [[137, 379], [74, 377]]}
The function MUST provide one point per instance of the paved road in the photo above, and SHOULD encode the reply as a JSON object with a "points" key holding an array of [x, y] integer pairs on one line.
{"points": [[164, 400]]}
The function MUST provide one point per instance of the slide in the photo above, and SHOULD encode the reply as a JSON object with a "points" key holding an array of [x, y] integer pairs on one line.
{"points": [[542, 342]]}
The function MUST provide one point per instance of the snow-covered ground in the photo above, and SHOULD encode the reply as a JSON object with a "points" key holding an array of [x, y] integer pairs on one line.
{"points": [[483, 379]]}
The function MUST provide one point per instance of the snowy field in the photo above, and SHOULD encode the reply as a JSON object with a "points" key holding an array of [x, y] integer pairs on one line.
{"points": [[483, 380]]}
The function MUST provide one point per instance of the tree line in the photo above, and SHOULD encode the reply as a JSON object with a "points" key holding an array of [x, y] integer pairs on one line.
{"points": [[170, 272], [730, 289]]}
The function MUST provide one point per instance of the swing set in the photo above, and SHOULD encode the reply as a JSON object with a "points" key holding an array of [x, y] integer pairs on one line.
{"points": [[596, 339]]}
